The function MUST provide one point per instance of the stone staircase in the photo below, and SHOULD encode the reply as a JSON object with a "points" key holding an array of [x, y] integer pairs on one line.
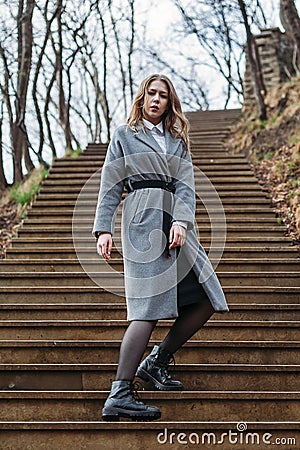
{"points": [[60, 331]]}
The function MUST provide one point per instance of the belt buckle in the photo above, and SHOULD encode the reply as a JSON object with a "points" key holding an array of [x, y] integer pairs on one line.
{"points": [[169, 186], [129, 185]]}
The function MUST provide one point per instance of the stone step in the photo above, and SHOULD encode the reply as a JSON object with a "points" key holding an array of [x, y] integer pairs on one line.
{"points": [[231, 241], [208, 133], [106, 329], [88, 243], [212, 169], [195, 377], [220, 177], [115, 311], [92, 196], [147, 435], [92, 265], [87, 405], [54, 294], [241, 214], [86, 161], [208, 152], [210, 137], [209, 201], [33, 221], [109, 278], [203, 230], [248, 190], [209, 147], [260, 251], [107, 351]]}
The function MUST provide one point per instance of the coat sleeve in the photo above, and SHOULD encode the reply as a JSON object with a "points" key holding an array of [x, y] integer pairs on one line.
{"points": [[184, 198], [111, 187]]}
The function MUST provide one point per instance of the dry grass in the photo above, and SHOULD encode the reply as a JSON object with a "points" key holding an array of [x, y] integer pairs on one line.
{"points": [[14, 204], [273, 150]]}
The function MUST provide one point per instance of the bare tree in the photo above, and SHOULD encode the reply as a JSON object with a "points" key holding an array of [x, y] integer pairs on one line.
{"points": [[254, 64], [37, 74], [213, 24], [17, 113], [131, 45], [63, 104], [79, 61], [3, 181], [218, 27]]}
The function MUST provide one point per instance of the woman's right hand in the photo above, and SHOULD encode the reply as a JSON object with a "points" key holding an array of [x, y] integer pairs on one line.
{"points": [[104, 245]]}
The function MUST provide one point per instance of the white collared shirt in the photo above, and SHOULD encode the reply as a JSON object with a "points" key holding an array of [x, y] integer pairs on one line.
{"points": [[158, 133]]}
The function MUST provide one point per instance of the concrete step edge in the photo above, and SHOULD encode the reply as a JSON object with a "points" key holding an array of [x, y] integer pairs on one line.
{"points": [[118, 306], [65, 229], [204, 239], [103, 367], [163, 323], [101, 395], [73, 426], [243, 249], [112, 275], [116, 343], [92, 261], [91, 289]]}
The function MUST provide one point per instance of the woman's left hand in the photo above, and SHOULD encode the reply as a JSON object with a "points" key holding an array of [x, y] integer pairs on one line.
{"points": [[177, 236]]}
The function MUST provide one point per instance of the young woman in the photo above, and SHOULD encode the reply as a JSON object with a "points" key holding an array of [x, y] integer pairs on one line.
{"points": [[167, 273]]}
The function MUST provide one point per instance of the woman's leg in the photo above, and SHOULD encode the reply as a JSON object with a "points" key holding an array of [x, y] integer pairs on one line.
{"points": [[154, 368], [190, 319], [133, 346], [122, 401]]}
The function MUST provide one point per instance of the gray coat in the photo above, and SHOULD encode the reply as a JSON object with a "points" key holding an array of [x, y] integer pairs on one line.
{"points": [[150, 275]]}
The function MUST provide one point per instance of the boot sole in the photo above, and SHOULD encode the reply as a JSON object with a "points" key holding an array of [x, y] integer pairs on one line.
{"points": [[143, 375], [134, 417]]}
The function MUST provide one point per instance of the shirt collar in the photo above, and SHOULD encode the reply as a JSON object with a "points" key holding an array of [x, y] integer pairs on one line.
{"points": [[150, 125]]}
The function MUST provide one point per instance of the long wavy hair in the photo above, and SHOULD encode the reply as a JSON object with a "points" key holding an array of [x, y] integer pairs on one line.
{"points": [[174, 119]]}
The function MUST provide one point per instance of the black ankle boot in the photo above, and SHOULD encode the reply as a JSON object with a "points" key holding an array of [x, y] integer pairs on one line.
{"points": [[121, 402], [155, 368]]}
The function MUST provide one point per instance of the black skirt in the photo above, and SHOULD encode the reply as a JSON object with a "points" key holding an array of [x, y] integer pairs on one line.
{"points": [[189, 290]]}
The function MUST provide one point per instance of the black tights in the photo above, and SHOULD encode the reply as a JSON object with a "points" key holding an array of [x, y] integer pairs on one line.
{"points": [[190, 319]]}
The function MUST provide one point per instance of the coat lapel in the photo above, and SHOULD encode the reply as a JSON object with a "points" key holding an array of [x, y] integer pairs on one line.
{"points": [[171, 143], [146, 137]]}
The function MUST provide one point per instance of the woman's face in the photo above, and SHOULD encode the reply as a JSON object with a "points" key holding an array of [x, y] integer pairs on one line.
{"points": [[156, 101]]}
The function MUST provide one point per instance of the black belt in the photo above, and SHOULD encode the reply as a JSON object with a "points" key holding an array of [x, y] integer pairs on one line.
{"points": [[168, 186]]}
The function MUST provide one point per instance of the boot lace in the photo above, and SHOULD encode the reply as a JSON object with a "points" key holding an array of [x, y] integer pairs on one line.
{"points": [[134, 391], [165, 367]]}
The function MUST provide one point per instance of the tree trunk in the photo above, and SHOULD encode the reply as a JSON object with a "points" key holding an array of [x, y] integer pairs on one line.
{"points": [[131, 47], [17, 138], [19, 135], [62, 107], [254, 66], [290, 21], [46, 113], [3, 181], [35, 80], [104, 101]]}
